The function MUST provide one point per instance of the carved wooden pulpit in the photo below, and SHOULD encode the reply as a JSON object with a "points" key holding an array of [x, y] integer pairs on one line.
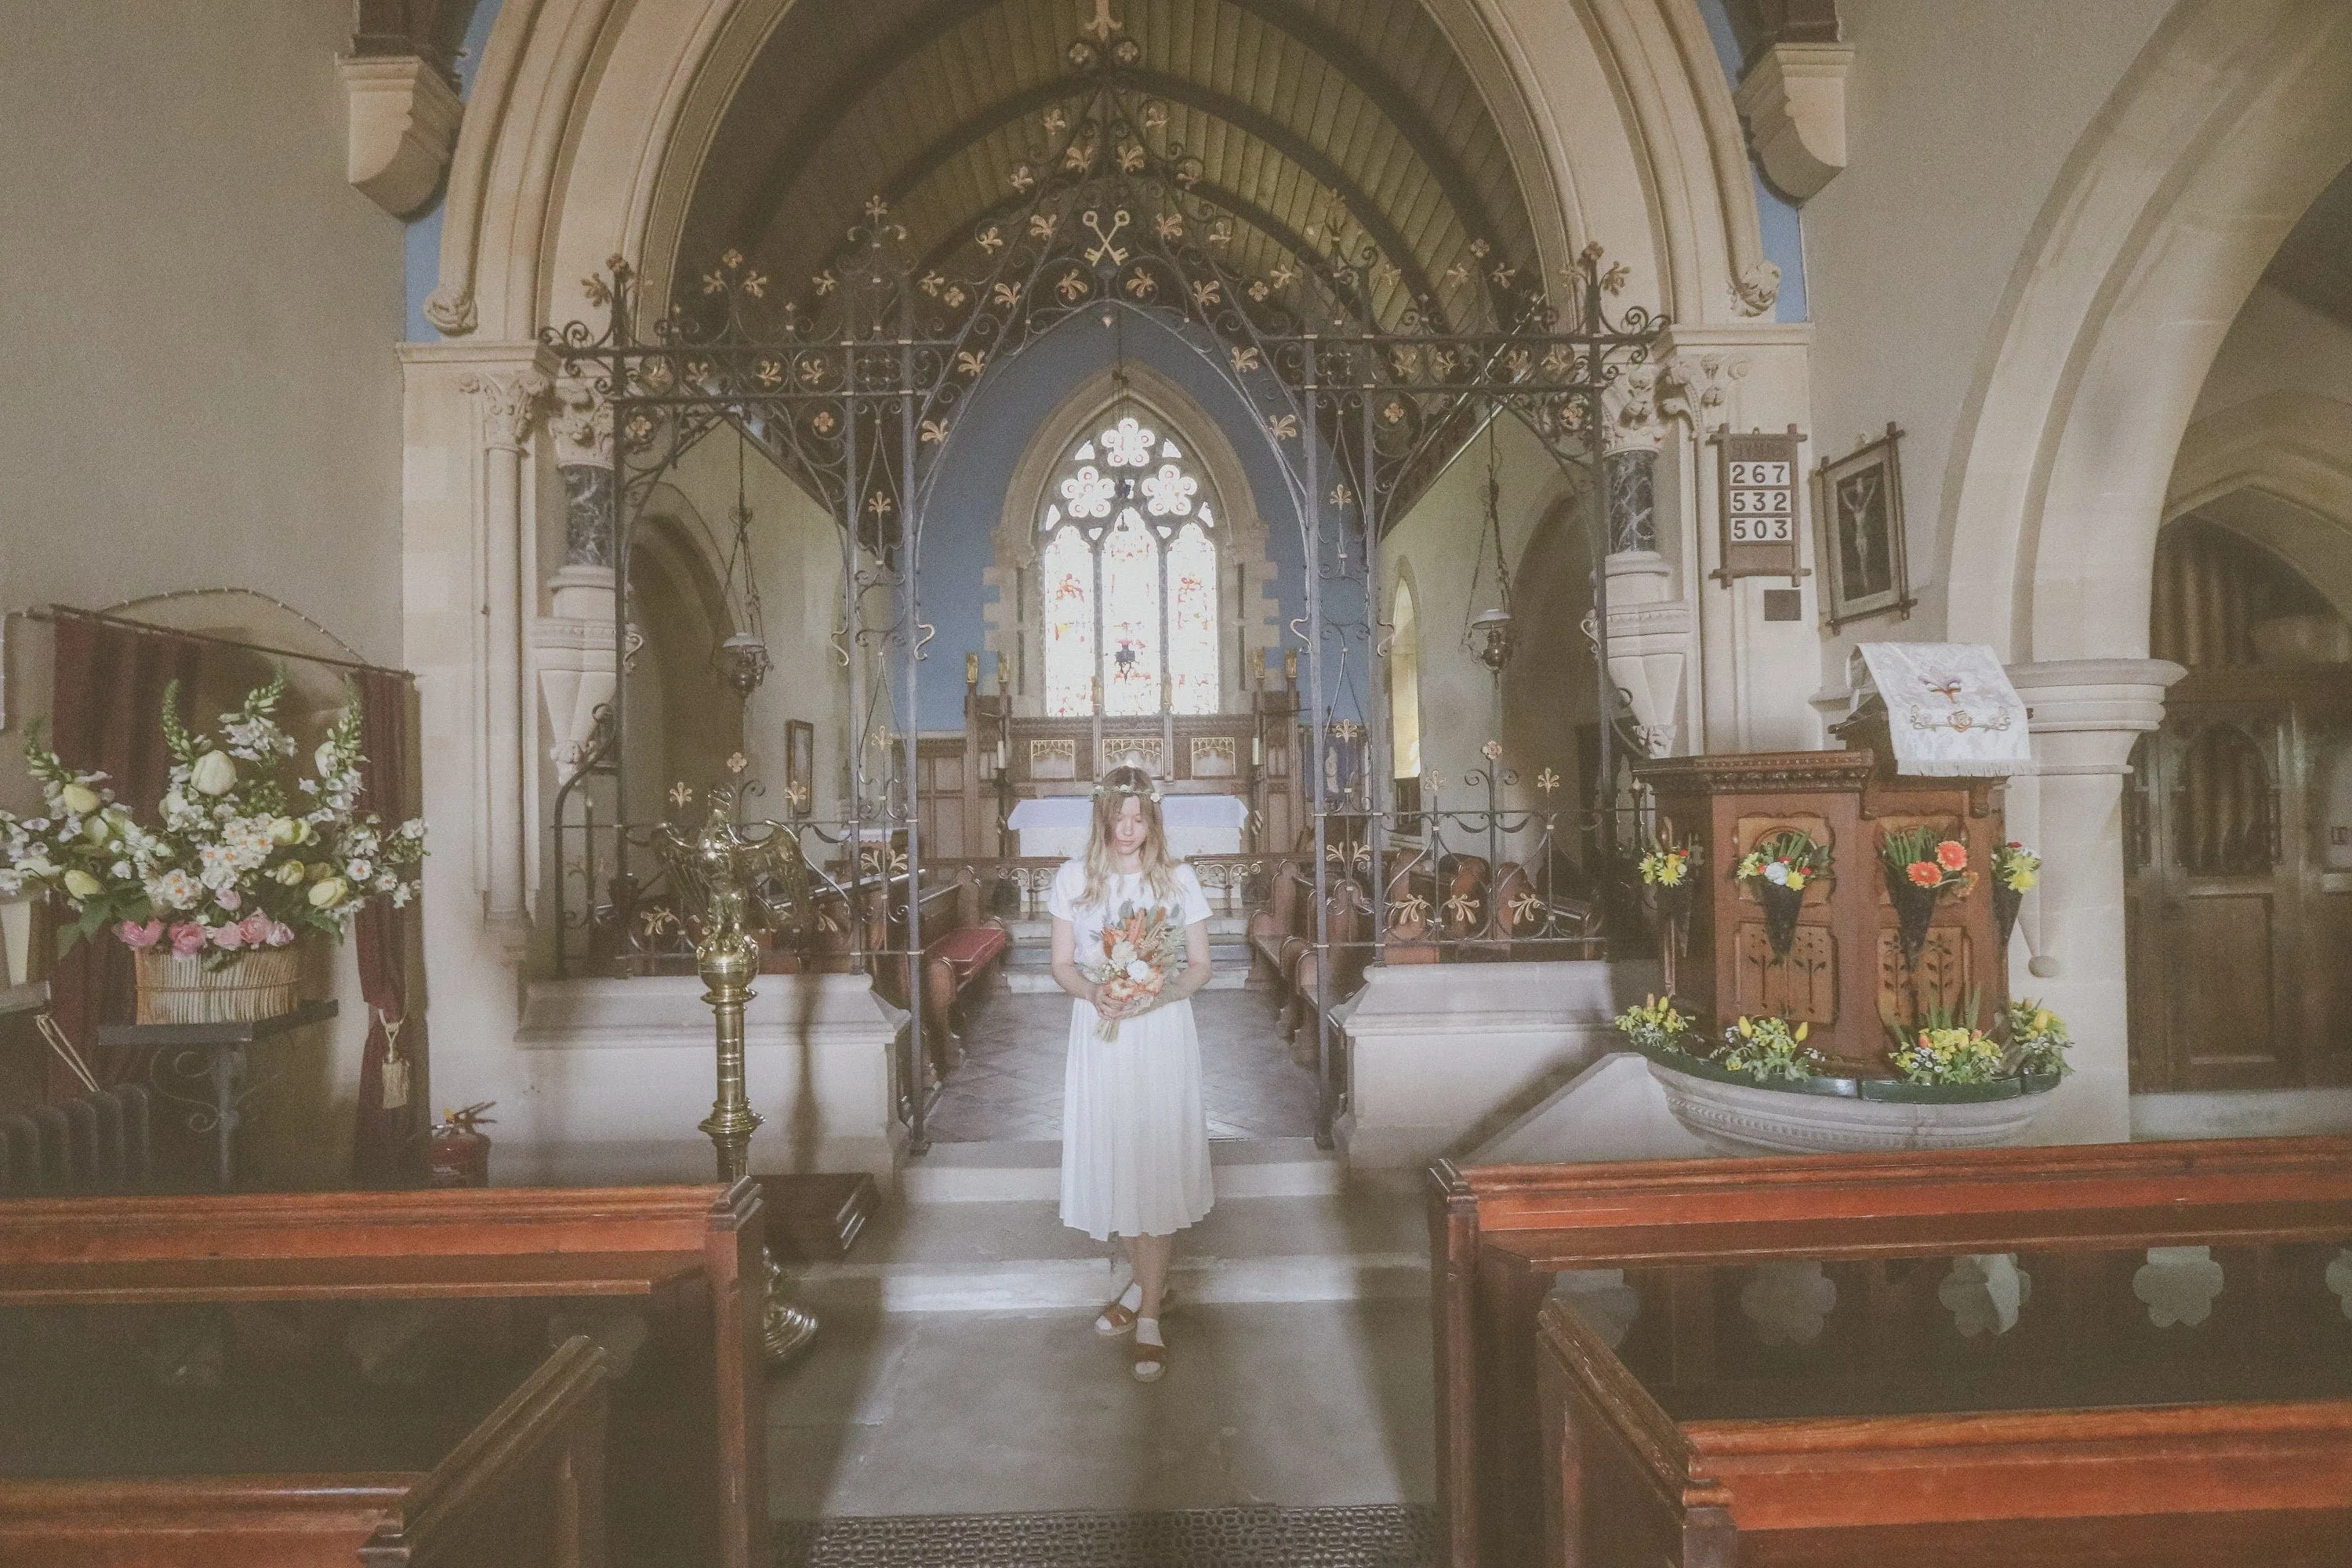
{"points": [[1844, 970]]}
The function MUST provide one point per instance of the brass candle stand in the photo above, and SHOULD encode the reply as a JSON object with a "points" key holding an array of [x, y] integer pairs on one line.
{"points": [[719, 873]]}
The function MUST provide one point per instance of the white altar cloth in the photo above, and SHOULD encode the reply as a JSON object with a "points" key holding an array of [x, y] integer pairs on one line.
{"points": [[1197, 823]]}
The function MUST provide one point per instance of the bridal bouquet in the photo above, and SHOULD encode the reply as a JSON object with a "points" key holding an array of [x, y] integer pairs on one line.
{"points": [[1142, 949], [240, 855]]}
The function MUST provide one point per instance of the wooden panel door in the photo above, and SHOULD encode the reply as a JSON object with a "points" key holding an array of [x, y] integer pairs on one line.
{"points": [[2214, 909]]}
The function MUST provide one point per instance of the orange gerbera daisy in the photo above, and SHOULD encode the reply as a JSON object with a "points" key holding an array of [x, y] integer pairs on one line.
{"points": [[1926, 873], [1952, 854]]}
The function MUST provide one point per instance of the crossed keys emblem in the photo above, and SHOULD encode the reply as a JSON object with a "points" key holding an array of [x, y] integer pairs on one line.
{"points": [[1110, 247]]}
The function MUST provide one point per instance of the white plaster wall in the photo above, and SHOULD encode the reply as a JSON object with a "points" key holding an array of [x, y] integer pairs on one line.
{"points": [[1438, 541], [1960, 120], [796, 550], [199, 342], [201, 387]]}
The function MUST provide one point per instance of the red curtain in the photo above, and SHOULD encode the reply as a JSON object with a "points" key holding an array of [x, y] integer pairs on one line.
{"points": [[392, 1143], [107, 708]]}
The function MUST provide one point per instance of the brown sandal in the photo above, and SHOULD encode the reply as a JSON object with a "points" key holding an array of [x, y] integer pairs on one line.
{"points": [[1150, 1360], [1115, 1319]]}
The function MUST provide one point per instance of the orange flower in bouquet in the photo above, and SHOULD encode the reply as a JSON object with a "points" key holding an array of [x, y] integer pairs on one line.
{"points": [[1140, 951]]}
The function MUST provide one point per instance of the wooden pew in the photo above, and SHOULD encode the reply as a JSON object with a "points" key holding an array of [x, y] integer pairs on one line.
{"points": [[695, 1445], [523, 1489], [1501, 1236]]}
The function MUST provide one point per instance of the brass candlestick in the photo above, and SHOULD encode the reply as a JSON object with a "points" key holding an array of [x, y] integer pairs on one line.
{"points": [[717, 870]]}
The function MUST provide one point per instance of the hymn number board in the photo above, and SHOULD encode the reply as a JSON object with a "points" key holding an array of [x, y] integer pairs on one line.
{"points": [[1760, 505]]}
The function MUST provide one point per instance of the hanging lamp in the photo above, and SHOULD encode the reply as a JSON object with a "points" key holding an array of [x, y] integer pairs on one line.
{"points": [[1488, 633], [741, 660]]}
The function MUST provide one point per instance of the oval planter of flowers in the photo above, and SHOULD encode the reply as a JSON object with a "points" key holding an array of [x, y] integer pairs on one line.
{"points": [[1787, 1109], [1740, 1114]]}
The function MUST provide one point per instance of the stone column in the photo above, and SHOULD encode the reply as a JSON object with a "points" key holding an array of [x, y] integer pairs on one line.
{"points": [[509, 400], [2086, 715], [1649, 625], [573, 645], [1629, 472]]}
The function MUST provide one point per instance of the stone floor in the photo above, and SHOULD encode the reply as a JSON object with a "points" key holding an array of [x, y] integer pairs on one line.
{"points": [[1309, 1404], [1008, 1085]]}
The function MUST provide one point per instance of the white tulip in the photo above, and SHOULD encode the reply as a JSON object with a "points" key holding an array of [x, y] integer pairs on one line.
{"points": [[80, 799], [214, 773]]}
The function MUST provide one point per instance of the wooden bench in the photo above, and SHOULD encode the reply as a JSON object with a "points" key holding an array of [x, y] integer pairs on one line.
{"points": [[690, 1444], [952, 964], [1682, 1443], [524, 1488]]}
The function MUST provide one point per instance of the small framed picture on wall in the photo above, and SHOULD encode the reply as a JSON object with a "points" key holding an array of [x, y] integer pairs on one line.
{"points": [[800, 766], [1858, 503]]}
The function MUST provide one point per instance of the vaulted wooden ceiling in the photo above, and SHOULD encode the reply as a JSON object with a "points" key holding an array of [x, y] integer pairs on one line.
{"points": [[1305, 115]]}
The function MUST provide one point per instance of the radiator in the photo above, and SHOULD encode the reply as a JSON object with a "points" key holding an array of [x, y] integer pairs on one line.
{"points": [[99, 1143]]}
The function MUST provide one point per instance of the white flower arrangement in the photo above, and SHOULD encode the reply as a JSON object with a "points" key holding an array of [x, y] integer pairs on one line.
{"points": [[236, 860]]}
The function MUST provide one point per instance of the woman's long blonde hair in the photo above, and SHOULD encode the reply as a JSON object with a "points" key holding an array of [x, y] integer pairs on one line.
{"points": [[1117, 787]]}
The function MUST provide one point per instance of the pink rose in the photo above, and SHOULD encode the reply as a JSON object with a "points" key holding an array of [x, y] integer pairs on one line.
{"points": [[229, 898], [228, 938], [255, 928], [187, 937], [140, 938], [280, 933]]}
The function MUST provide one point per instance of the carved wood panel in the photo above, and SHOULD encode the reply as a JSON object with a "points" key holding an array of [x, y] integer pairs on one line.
{"points": [[1803, 986], [1941, 980]]}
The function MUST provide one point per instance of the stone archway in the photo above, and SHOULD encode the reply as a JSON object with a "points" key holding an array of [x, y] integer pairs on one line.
{"points": [[2231, 122], [590, 128]]}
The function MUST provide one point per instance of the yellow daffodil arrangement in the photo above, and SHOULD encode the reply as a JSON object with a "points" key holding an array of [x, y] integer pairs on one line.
{"points": [[237, 859], [2015, 870], [2037, 1039], [1667, 865], [1654, 1024], [2015, 867], [1769, 1049], [1946, 1046]]}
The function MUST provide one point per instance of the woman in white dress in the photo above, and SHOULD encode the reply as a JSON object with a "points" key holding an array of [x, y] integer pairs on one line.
{"points": [[1135, 1141]]}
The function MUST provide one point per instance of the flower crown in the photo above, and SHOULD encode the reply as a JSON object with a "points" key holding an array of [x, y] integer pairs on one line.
{"points": [[1151, 793]]}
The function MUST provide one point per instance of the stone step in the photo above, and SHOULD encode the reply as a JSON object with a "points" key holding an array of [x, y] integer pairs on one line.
{"points": [[1019, 1257], [1032, 981], [1018, 1171], [1040, 930]]}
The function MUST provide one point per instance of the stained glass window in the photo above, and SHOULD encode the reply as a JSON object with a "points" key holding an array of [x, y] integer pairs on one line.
{"points": [[1068, 582], [1129, 578], [1192, 621]]}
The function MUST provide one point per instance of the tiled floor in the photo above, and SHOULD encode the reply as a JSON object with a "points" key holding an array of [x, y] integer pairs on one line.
{"points": [[1010, 1083]]}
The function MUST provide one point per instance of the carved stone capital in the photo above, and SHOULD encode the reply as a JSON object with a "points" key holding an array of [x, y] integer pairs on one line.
{"points": [[510, 401], [452, 311], [1793, 99], [2085, 713], [1757, 288], [403, 121], [582, 424]]}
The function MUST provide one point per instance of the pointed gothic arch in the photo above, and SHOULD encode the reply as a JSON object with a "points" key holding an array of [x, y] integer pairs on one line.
{"points": [[1246, 588]]}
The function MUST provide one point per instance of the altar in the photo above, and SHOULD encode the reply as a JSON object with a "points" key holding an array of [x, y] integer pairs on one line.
{"points": [[1056, 826]]}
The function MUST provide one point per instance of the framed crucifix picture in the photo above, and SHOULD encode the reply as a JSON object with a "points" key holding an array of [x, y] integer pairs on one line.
{"points": [[1858, 499], [800, 766]]}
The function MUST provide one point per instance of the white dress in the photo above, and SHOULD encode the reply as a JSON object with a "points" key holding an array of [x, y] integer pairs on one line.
{"points": [[1135, 1141]]}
